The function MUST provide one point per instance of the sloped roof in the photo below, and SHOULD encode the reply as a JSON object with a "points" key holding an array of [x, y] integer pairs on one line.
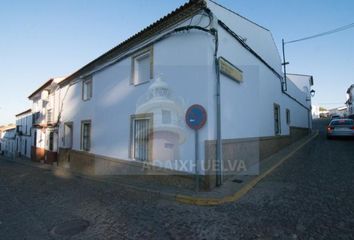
{"points": [[179, 14], [46, 84], [24, 112]]}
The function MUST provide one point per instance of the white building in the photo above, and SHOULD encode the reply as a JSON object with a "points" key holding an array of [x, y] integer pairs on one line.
{"points": [[119, 117], [23, 133], [45, 110], [338, 111], [7, 141], [319, 112], [349, 102]]}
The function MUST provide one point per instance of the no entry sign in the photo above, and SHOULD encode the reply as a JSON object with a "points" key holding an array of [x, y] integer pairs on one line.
{"points": [[196, 116]]}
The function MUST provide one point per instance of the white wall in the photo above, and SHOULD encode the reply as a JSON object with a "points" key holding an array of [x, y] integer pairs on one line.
{"points": [[24, 141], [247, 107], [186, 62], [351, 97], [8, 143], [257, 37]]}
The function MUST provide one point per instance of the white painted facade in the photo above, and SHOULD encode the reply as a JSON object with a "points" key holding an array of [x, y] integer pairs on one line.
{"points": [[339, 111], [350, 99], [23, 134], [8, 142], [186, 62], [45, 109]]}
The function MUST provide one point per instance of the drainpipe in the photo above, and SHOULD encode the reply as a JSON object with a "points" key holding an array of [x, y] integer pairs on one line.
{"points": [[219, 163]]}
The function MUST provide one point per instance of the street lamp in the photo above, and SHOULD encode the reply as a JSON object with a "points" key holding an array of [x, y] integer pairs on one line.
{"points": [[312, 92]]}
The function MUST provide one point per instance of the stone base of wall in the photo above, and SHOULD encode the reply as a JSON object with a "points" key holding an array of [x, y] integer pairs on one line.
{"points": [[37, 154], [251, 150], [50, 157], [92, 164]]}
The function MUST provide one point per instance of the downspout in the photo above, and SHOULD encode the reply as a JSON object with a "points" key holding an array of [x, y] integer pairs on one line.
{"points": [[219, 162]]}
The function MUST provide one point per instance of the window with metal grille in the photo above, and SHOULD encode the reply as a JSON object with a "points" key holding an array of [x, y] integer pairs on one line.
{"points": [[140, 136], [288, 120], [277, 128], [51, 141], [68, 135], [49, 116], [86, 135]]}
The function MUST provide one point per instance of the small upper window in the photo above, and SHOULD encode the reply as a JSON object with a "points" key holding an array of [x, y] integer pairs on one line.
{"points": [[142, 67], [87, 89]]}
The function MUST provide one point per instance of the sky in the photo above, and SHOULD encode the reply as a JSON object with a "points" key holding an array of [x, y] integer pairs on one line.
{"points": [[40, 39]]}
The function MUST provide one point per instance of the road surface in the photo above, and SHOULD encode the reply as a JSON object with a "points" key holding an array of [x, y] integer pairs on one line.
{"points": [[310, 196]]}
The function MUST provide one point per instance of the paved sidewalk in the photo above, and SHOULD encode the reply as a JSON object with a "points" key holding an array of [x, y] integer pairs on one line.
{"points": [[230, 191]]}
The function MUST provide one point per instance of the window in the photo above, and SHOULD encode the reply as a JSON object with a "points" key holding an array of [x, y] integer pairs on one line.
{"points": [[35, 117], [288, 117], [166, 117], [87, 89], [86, 135], [49, 116], [68, 135], [142, 67], [277, 129], [51, 141], [141, 143], [25, 147]]}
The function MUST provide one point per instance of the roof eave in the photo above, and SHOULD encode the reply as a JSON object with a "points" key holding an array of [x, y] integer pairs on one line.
{"points": [[41, 88], [24, 112], [179, 14]]}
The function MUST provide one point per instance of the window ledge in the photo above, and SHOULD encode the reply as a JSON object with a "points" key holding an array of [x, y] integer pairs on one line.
{"points": [[141, 83]]}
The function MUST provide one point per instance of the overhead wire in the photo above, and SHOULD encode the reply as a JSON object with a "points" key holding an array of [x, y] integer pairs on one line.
{"points": [[339, 29]]}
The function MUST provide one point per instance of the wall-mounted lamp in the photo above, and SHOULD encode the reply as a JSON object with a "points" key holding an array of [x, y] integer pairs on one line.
{"points": [[312, 92]]}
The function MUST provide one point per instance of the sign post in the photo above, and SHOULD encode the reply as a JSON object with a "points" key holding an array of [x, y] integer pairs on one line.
{"points": [[196, 117]]}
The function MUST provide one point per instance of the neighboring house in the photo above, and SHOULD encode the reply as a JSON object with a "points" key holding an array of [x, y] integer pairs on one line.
{"points": [[319, 112], [7, 141], [349, 102], [339, 111], [125, 109], [23, 133], [45, 110]]}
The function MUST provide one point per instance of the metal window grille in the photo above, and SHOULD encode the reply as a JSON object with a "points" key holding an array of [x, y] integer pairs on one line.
{"points": [[277, 119], [141, 131], [86, 138]]}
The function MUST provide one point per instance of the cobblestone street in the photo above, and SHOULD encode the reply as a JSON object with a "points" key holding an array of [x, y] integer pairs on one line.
{"points": [[310, 196]]}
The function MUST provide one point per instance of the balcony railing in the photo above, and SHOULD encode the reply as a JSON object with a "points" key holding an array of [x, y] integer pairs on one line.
{"points": [[36, 118]]}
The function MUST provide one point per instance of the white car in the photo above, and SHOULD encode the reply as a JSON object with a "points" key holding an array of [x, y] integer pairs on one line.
{"points": [[343, 127]]}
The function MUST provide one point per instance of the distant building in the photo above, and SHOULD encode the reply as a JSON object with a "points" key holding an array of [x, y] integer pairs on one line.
{"points": [[340, 111], [45, 111], [7, 141], [23, 133], [349, 102], [319, 112]]}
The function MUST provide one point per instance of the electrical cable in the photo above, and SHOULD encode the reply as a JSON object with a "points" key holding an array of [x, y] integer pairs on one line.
{"points": [[323, 34]]}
